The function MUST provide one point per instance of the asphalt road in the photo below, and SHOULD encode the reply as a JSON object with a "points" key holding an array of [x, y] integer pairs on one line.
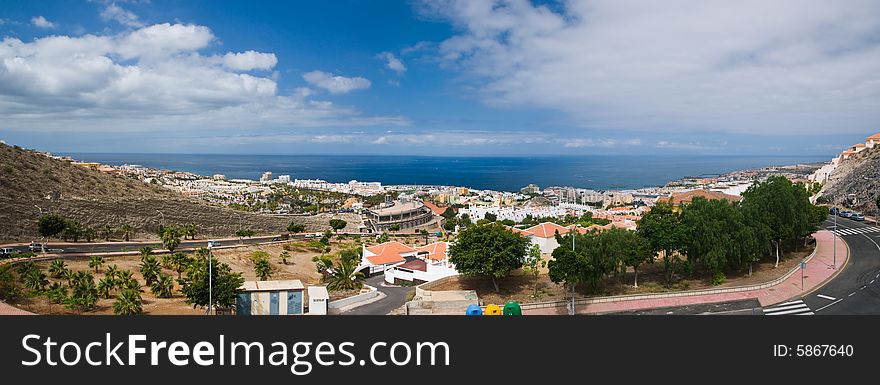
{"points": [[395, 297], [741, 307], [85, 248], [856, 290]]}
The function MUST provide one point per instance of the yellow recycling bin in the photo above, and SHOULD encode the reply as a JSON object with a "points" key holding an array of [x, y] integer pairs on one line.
{"points": [[492, 309]]}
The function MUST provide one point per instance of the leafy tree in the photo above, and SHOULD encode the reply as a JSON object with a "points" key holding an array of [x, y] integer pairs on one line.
{"points": [[190, 230], [226, 284], [57, 268], [50, 225], [242, 233], [568, 268], [107, 232], [322, 263], [284, 256], [483, 221], [56, 293], [383, 238], [112, 272], [449, 213], [170, 238], [262, 268], [661, 228], [337, 224], [490, 217], [449, 224], [780, 209], [150, 269], [629, 248], [533, 265], [425, 233], [84, 292], [489, 250], [96, 261], [73, 230], [128, 303], [394, 228], [508, 222], [345, 277], [163, 286], [9, 289], [127, 230], [178, 262], [464, 221], [294, 227]]}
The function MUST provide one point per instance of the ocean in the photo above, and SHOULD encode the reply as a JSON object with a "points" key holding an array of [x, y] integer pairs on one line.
{"points": [[496, 173]]}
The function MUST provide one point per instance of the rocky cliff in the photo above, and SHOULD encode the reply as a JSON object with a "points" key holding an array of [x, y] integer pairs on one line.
{"points": [[855, 183]]}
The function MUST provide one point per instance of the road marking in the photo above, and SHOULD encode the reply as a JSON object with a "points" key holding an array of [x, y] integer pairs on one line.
{"points": [[826, 297], [863, 288], [851, 294], [830, 304], [872, 281], [789, 308]]}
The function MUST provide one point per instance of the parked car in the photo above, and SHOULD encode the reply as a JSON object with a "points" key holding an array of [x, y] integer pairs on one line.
{"points": [[35, 247], [857, 217], [212, 244], [846, 214], [6, 252], [834, 211]]}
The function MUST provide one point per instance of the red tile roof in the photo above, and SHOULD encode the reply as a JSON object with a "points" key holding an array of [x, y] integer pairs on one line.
{"points": [[415, 264], [546, 230], [436, 251], [388, 252], [875, 137], [436, 209]]}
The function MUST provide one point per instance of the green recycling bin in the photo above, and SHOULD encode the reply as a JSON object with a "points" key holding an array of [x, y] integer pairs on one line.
{"points": [[512, 308]]}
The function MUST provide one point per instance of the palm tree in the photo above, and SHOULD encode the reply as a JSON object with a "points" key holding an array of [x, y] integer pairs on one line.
{"points": [[56, 293], [190, 230], [112, 272], [163, 286], [345, 277], [125, 278], [284, 255], [179, 261], [69, 275], [150, 269], [105, 286], [107, 232], [126, 231], [145, 251], [57, 268], [90, 234], [170, 238], [36, 280], [263, 269], [96, 261], [128, 303]]}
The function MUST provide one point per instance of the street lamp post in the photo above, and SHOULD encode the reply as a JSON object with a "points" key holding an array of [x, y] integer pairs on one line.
{"points": [[42, 239], [210, 280], [834, 241], [163, 217]]}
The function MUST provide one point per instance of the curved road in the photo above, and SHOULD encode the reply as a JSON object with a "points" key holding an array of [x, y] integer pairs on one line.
{"points": [[856, 289]]}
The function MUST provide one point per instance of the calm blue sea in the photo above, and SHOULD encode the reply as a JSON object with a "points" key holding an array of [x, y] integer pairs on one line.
{"points": [[498, 173]]}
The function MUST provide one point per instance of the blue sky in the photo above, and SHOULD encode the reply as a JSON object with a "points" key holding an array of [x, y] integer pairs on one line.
{"points": [[440, 77]]}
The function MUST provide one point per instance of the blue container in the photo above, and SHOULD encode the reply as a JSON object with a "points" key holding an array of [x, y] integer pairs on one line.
{"points": [[474, 310]]}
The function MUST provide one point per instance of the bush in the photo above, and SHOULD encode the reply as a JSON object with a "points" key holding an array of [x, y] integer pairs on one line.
{"points": [[718, 278]]}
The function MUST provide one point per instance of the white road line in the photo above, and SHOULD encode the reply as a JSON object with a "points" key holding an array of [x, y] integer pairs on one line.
{"points": [[787, 307], [851, 294], [793, 311], [862, 288], [872, 281], [826, 297], [830, 304]]}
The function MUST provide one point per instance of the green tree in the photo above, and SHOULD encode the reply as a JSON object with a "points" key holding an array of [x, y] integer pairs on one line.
{"points": [[394, 228], [128, 303], [383, 238], [337, 224], [226, 284], [35, 280], [89, 233], [661, 228], [127, 230], [294, 227], [178, 262], [284, 256], [112, 272], [105, 286], [322, 263], [490, 217], [345, 277], [425, 233], [242, 233], [150, 269], [489, 250], [262, 268], [533, 265], [95, 262], [163, 286], [107, 232], [190, 230], [56, 293], [629, 248], [145, 251], [50, 225], [568, 268], [57, 268], [9, 289], [464, 221], [84, 292], [773, 205], [170, 238], [73, 230]]}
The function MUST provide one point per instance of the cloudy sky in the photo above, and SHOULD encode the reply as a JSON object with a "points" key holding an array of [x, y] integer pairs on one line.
{"points": [[440, 77]]}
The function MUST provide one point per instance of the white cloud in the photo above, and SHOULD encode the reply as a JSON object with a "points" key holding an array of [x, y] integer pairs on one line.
{"points": [[153, 78], [752, 66], [604, 143], [249, 60], [392, 62], [334, 83], [113, 12], [41, 22]]}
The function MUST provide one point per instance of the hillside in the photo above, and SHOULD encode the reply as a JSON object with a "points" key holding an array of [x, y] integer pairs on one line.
{"points": [[859, 175], [94, 198]]}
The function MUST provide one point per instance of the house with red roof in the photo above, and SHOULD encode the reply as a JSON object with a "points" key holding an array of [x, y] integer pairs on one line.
{"points": [[379, 258], [872, 141], [430, 263]]}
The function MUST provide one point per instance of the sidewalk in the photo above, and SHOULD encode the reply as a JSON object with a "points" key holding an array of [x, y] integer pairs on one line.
{"points": [[817, 272]]}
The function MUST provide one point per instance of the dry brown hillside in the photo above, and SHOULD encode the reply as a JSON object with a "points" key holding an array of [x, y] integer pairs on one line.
{"points": [[856, 182], [94, 198]]}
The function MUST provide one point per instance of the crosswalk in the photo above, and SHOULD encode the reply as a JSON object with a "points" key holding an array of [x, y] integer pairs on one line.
{"points": [[855, 231], [789, 308]]}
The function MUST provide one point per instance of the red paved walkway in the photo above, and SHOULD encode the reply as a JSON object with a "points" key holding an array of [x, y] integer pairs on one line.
{"points": [[818, 271]]}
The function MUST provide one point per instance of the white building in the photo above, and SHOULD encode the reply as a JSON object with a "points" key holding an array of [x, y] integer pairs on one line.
{"points": [[430, 263], [267, 176], [270, 298], [318, 299]]}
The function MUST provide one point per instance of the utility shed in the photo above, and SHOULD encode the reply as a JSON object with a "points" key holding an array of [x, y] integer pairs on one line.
{"points": [[270, 298], [318, 299]]}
